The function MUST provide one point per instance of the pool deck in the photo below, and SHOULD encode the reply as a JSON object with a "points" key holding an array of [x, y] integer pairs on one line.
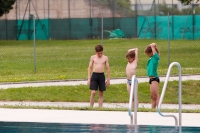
{"points": [[92, 117]]}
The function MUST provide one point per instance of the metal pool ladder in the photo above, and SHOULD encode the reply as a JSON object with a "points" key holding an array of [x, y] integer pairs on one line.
{"points": [[134, 89], [180, 94]]}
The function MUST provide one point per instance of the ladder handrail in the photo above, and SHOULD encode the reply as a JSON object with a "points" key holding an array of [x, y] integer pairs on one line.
{"points": [[180, 93], [134, 88]]}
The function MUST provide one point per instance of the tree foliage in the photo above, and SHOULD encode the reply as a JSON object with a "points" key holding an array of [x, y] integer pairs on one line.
{"points": [[187, 2], [163, 10], [6, 6]]}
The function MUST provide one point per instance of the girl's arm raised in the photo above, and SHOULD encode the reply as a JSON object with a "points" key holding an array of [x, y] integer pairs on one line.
{"points": [[154, 48]]}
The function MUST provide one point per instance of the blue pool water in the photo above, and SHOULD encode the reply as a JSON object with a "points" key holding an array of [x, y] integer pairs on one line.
{"points": [[34, 127]]}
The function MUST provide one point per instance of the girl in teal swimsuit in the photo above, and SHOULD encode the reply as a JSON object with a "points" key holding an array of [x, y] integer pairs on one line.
{"points": [[152, 65]]}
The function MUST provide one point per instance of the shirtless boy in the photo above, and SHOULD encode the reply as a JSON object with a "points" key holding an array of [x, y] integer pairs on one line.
{"points": [[132, 57], [97, 80]]}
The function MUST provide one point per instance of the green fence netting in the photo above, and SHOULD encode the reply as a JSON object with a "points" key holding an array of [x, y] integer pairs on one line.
{"points": [[8, 29], [25, 29], [159, 27], [180, 27]]}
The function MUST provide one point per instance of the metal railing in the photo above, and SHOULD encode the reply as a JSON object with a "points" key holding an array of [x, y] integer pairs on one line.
{"points": [[134, 89], [180, 93]]}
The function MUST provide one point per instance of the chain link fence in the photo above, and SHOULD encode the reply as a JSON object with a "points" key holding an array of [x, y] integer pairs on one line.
{"points": [[81, 24]]}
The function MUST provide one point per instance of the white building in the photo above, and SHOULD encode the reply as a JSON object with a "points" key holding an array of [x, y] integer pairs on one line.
{"points": [[147, 4]]}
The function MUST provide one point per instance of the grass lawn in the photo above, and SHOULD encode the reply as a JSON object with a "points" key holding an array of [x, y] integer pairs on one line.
{"points": [[68, 59], [115, 93]]}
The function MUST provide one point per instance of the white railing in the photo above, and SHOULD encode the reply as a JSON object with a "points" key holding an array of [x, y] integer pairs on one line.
{"points": [[180, 93], [134, 89]]}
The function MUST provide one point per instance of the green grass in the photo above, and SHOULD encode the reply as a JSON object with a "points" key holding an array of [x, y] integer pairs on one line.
{"points": [[98, 109], [68, 59], [115, 93]]}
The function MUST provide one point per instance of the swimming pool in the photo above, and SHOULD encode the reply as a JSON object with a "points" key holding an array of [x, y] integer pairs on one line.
{"points": [[35, 127]]}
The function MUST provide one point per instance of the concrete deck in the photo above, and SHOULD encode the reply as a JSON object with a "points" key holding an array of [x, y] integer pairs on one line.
{"points": [[94, 117], [86, 104]]}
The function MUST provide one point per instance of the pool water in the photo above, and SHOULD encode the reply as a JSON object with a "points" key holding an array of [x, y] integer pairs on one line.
{"points": [[35, 127]]}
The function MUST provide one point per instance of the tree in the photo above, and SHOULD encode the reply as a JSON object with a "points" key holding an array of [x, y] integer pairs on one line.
{"points": [[187, 2], [6, 6]]}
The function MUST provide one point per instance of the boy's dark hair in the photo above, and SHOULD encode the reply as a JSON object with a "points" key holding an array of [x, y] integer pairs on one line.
{"points": [[130, 54], [148, 50], [98, 48]]}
